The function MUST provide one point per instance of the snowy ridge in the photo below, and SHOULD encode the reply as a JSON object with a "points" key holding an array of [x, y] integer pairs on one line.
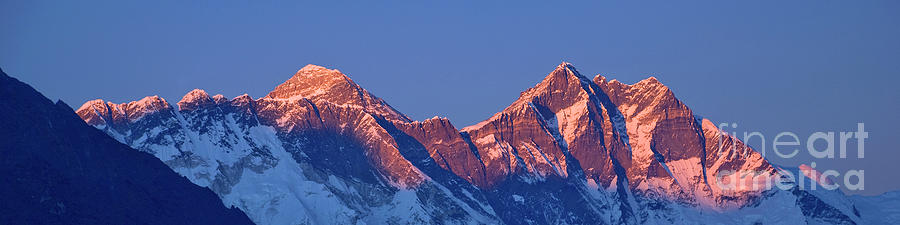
{"points": [[99, 112]]}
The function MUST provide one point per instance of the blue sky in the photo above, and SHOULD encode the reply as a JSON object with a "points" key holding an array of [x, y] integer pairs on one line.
{"points": [[770, 66]]}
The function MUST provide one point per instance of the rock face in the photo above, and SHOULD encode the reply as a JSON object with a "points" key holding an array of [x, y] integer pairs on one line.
{"points": [[319, 149], [57, 170]]}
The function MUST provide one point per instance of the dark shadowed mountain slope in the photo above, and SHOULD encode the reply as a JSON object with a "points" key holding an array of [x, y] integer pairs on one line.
{"points": [[58, 170]]}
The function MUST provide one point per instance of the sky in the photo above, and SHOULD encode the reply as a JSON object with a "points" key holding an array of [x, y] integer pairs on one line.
{"points": [[769, 66]]}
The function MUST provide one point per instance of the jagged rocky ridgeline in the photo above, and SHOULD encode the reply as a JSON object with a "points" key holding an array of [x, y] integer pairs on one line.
{"points": [[571, 150]]}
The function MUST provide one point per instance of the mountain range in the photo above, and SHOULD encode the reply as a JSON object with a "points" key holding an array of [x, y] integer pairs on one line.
{"points": [[320, 149]]}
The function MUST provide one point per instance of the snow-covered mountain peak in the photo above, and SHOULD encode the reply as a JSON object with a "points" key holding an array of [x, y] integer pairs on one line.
{"points": [[99, 112], [194, 100], [651, 81], [312, 81], [93, 112], [564, 81], [312, 67], [567, 69], [92, 104], [242, 98], [318, 83], [652, 90], [565, 65], [219, 98], [195, 95], [561, 87], [150, 103]]}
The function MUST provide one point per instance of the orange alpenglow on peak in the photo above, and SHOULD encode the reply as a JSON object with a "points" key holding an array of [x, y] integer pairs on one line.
{"points": [[98, 111], [320, 84], [194, 100], [312, 67]]}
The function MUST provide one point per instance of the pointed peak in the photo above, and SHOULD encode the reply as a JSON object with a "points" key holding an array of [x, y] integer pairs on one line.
{"points": [[311, 81], [312, 67], [560, 89], [219, 99], [151, 99], [149, 103], [92, 104], [651, 84], [650, 80], [243, 97], [311, 71], [194, 94], [648, 84], [599, 79], [194, 99], [437, 118], [93, 112], [566, 70], [241, 100], [563, 87], [95, 101], [318, 83], [146, 105], [566, 65], [562, 79]]}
